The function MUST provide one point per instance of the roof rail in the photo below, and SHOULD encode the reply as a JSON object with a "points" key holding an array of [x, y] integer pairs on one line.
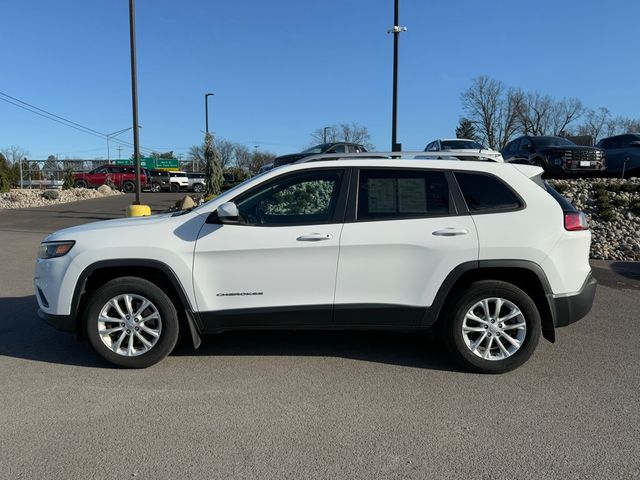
{"points": [[322, 157]]}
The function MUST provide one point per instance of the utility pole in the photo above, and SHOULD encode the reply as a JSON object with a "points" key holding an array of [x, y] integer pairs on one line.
{"points": [[134, 97], [206, 111], [396, 30]]}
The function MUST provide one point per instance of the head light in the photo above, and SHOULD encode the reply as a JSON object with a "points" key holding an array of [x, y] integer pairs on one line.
{"points": [[55, 249]]}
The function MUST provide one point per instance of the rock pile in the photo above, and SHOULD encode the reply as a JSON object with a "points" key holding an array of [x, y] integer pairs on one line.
{"points": [[42, 198], [613, 209]]}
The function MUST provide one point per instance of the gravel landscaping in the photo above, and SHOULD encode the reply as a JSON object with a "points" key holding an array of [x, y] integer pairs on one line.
{"points": [[42, 198], [613, 209]]}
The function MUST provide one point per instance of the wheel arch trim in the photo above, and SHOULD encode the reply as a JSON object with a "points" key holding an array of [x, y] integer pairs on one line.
{"points": [[547, 315]]}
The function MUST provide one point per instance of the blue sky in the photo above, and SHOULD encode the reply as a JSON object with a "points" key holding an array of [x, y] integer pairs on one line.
{"points": [[283, 68]]}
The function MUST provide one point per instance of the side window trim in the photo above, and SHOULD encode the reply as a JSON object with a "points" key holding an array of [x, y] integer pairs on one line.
{"points": [[340, 203]]}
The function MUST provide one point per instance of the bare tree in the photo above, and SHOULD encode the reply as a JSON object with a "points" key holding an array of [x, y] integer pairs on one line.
{"points": [[226, 152], [564, 113], [345, 132], [493, 110], [14, 153], [243, 156], [596, 122]]}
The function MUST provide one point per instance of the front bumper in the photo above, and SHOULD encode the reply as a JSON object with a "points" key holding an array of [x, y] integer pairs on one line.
{"points": [[65, 323], [570, 309]]}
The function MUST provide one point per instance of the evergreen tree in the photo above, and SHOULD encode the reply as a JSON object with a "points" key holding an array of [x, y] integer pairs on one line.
{"points": [[213, 171], [465, 129]]}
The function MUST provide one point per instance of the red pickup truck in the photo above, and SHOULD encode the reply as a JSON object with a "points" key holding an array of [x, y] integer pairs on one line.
{"points": [[122, 176]]}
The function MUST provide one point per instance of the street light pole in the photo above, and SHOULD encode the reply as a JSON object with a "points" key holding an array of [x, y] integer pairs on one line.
{"points": [[206, 111], [134, 96], [324, 134], [115, 134], [396, 30]]}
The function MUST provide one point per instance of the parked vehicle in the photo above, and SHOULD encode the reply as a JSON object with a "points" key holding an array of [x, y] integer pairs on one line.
{"points": [[178, 181], [622, 153], [266, 167], [159, 180], [484, 251], [556, 155], [197, 182], [122, 176], [462, 149], [333, 147]]}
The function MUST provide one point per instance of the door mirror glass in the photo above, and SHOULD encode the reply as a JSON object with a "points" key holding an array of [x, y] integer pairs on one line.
{"points": [[227, 213]]}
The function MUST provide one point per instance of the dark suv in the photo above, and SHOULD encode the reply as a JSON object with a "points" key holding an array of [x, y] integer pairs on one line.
{"points": [[623, 153], [159, 180], [334, 147], [557, 155]]}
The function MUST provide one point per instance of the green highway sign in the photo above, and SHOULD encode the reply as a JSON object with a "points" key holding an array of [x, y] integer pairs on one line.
{"points": [[153, 163]]}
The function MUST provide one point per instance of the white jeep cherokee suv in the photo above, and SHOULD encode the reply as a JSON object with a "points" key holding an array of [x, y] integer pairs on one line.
{"points": [[485, 252]]}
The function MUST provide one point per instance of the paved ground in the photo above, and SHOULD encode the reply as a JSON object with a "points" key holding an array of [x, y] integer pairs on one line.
{"points": [[309, 405]]}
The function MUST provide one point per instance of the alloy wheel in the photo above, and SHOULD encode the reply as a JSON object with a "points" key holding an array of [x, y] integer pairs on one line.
{"points": [[129, 325], [494, 328]]}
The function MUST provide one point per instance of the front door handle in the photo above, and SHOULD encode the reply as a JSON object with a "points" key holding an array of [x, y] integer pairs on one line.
{"points": [[451, 232], [314, 237]]}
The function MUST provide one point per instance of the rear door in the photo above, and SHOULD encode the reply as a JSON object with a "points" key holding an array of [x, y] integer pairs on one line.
{"points": [[97, 177], [402, 237]]}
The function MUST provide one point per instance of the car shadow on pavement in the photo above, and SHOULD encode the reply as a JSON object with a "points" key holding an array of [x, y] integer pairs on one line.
{"points": [[24, 335], [418, 350], [627, 269]]}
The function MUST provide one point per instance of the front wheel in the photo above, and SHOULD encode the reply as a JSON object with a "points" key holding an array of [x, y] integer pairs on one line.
{"points": [[494, 327], [156, 187], [198, 188], [175, 187], [131, 322]]}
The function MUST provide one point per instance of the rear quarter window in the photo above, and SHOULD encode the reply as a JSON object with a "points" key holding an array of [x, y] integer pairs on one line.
{"points": [[486, 193]]}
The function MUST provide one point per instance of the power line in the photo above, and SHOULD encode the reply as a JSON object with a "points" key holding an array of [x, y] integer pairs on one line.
{"points": [[61, 120]]}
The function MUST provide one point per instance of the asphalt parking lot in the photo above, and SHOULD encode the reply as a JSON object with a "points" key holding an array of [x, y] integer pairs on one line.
{"points": [[305, 405]]}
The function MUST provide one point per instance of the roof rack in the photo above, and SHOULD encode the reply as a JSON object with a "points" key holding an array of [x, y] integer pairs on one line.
{"points": [[322, 157]]}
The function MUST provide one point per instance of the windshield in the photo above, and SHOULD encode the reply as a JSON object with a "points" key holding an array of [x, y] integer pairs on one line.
{"points": [[317, 149], [551, 142], [460, 145]]}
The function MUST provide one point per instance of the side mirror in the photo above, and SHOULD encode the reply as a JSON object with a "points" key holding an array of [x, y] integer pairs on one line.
{"points": [[227, 213], [635, 143]]}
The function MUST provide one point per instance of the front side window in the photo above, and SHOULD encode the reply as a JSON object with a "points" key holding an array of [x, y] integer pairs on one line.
{"points": [[394, 194], [485, 193], [298, 199]]}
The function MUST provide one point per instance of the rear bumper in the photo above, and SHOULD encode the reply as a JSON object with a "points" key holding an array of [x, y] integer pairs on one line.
{"points": [[61, 322], [570, 309]]}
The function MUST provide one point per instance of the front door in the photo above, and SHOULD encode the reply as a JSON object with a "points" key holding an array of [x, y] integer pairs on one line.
{"points": [[277, 266]]}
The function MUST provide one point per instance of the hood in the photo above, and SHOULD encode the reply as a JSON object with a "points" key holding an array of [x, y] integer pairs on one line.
{"points": [[108, 225]]}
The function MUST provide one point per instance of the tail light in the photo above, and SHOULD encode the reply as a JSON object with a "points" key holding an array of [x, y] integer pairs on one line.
{"points": [[574, 221]]}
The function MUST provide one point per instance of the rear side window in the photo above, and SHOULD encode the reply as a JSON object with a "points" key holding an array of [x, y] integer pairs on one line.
{"points": [[393, 194], [485, 193]]}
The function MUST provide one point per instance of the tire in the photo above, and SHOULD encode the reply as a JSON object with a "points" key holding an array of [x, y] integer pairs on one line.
{"points": [[198, 187], [175, 187], [461, 344], [123, 347], [80, 184], [128, 187], [156, 187]]}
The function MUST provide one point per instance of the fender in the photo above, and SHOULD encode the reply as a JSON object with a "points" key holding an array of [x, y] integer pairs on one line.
{"points": [[190, 314], [548, 317]]}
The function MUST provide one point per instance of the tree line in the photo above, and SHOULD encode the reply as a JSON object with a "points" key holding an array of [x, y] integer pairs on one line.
{"points": [[495, 113]]}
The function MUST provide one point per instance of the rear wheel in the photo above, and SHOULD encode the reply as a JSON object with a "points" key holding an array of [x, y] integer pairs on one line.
{"points": [[131, 322], [128, 187], [79, 184], [494, 327], [156, 187], [198, 188], [175, 187]]}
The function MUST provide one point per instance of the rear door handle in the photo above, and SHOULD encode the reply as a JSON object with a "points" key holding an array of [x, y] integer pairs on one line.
{"points": [[314, 237], [451, 232]]}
